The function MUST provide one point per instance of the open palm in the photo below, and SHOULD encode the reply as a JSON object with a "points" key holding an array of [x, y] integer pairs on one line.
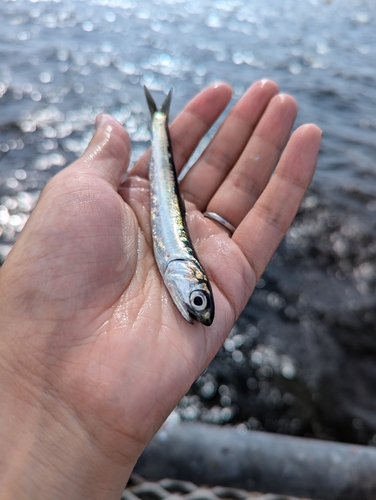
{"points": [[100, 335]]}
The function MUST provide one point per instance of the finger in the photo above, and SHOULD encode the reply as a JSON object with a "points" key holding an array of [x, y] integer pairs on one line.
{"points": [[108, 152], [191, 125], [246, 181], [261, 231], [219, 157]]}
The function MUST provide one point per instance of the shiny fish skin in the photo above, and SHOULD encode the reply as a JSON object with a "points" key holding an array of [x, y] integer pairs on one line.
{"points": [[177, 261]]}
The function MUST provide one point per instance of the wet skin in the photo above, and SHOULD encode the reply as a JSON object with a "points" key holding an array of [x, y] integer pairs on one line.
{"points": [[93, 353]]}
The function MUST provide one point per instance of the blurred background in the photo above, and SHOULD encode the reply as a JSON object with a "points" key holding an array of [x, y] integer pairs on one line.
{"points": [[301, 360]]}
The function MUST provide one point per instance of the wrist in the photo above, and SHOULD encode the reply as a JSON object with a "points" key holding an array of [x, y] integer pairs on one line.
{"points": [[45, 456], [47, 452]]}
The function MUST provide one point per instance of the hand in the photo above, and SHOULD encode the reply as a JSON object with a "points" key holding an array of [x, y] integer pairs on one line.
{"points": [[93, 353]]}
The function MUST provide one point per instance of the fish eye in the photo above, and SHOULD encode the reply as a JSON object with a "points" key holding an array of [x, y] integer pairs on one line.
{"points": [[198, 301]]}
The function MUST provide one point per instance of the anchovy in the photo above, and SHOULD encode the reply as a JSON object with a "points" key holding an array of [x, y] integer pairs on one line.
{"points": [[182, 272]]}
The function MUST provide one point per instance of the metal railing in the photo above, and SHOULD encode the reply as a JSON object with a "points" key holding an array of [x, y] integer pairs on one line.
{"points": [[173, 489]]}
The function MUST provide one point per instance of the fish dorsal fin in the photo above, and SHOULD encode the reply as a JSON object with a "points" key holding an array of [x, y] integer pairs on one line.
{"points": [[151, 103]]}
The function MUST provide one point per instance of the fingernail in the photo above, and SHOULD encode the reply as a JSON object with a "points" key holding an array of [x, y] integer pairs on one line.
{"points": [[98, 120]]}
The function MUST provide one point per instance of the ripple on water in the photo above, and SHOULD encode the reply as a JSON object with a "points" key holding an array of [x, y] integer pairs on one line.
{"points": [[65, 62]]}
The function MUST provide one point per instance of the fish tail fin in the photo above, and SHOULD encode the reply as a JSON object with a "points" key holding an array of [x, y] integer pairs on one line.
{"points": [[165, 108], [151, 103], [166, 104]]}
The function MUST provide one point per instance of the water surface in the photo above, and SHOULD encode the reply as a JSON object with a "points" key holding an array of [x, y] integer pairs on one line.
{"points": [[305, 346]]}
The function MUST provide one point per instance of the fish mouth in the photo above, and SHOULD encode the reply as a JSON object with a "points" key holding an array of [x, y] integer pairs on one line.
{"points": [[207, 321], [206, 318]]}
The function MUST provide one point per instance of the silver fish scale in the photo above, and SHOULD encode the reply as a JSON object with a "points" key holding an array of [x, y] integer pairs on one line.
{"points": [[182, 273], [169, 237]]}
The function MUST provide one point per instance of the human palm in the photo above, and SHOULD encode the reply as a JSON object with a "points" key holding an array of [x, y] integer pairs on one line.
{"points": [[97, 325]]}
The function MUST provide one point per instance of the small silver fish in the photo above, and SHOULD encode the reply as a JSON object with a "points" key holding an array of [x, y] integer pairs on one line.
{"points": [[182, 273]]}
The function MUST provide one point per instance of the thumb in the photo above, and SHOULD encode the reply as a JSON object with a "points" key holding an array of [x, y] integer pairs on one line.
{"points": [[108, 152]]}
